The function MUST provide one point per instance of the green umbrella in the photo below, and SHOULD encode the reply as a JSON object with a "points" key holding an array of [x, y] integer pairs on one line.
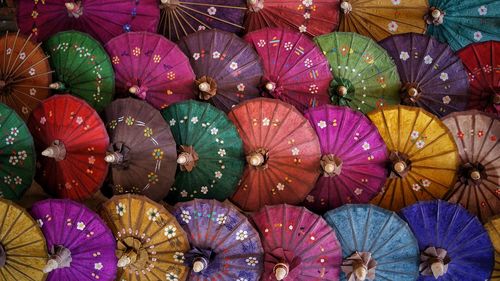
{"points": [[210, 152], [365, 77], [17, 154], [82, 67]]}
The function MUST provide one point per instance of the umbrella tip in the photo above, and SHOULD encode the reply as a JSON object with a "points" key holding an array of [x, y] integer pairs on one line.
{"points": [[198, 266], [256, 159], [436, 13], [55, 86], [204, 87], [182, 159], [270, 86], [280, 271], [49, 152], [361, 273], [123, 261], [133, 90], [69, 5], [400, 166], [475, 175], [252, 2], [51, 265], [110, 158], [496, 99], [329, 168], [346, 7], [412, 92], [437, 269], [342, 90]]}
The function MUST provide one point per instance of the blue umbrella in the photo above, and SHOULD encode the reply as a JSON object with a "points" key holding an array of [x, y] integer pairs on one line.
{"points": [[376, 244], [453, 243]]}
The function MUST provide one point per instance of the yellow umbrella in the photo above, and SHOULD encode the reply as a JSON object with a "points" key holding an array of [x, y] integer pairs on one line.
{"points": [[150, 242], [493, 228], [23, 252], [423, 156]]}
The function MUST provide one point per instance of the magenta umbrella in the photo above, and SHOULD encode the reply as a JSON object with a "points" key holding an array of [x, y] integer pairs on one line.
{"points": [[151, 67], [353, 160]]}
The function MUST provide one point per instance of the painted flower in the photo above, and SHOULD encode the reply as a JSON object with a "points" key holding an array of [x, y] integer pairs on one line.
{"points": [[428, 59], [414, 135], [32, 71], [13, 160], [252, 261], [393, 26], [303, 28], [396, 2], [170, 231], [358, 191], [9, 140], [241, 235], [307, 3], [307, 16], [240, 87], [426, 182], [201, 27], [18, 180], [446, 99], [121, 209], [460, 134], [7, 179], [148, 132], [172, 122], [295, 151], [222, 152], [216, 55], [22, 155], [266, 121], [482, 10], [214, 131], [443, 76], [204, 189], [80, 225], [366, 146], [480, 133], [211, 11], [196, 56], [310, 198], [221, 219], [322, 124], [288, 46], [153, 214], [313, 89], [129, 121], [98, 266], [218, 174], [194, 120], [153, 178], [280, 186], [233, 65], [261, 43], [14, 131], [478, 35], [43, 120], [308, 63], [22, 55], [157, 154], [9, 51], [420, 144], [184, 193], [179, 257], [185, 216], [172, 277], [79, 120], [416, 187], [404, 56]]}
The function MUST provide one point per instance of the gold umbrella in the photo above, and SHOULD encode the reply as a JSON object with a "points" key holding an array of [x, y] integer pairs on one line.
{"points": [[493, 228]]}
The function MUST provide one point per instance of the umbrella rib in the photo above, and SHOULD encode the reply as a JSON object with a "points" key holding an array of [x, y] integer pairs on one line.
{"points": [[13, 70], [184, 3], [14, 47], [178, 14], [212, 17]]}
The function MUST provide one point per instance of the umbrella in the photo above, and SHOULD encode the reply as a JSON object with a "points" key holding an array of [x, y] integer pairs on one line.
{"points": [[25, 73], [17, 155], [8, 16], [432, 76], [180, 18], [298, 244], [102, 19], [151, 243], [227, 69], [295, 70], [210, 152], [71, 142], [82, 68], [365, 77], [282, 152], [224, 244], [151, 68], [353, 158], [311, 17], [453, 243], [480, 60], [376, 244], [493, 228], [462, 23], [379, 19], [80, 244], [477, 189], [423, 157], [142, 149], [23, 252]]}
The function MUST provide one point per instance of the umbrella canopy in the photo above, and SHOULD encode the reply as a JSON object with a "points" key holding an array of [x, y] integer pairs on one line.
{"points": [[71, 142], [453, 243], [23, 252], [462, 23], [180, 18], [423, 157], [17, 155], [82, 68], [282, 152], [210, 152], [493, 228], [353, 158], [310, 17], [295, 70], [365, 77], [432, 76], [299, 245], [379, 19], [80, 244], [8, 16], [227, 68], [151, 243], [150, 67], [25, 73], [479, 60], [376, 244], [224, 244], [102, 19], [477, 137], [142, 150]]}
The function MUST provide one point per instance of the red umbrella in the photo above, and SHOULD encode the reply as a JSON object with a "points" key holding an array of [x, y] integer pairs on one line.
{"points": [[71, 142]]}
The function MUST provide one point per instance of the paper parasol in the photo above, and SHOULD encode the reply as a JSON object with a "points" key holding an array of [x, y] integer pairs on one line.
{"points": [[493, 228]]}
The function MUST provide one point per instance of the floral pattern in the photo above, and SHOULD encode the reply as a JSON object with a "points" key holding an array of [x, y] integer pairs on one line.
{"points": [[170, 231], [404, 56], [121, 209]]}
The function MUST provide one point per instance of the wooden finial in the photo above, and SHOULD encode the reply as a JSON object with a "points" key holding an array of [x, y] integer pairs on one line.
{"points": [[437, 269], [280, 271], [342, 90], [183, 158], [436, 14], [124, 261], [256, 159], [270, 86], [198, 266], [360, 272], [50, 266], [70, 6], [412, 92], [329, 168], [134, 89], [475, 175], [204, 87], [111, 158], [399, 166]]}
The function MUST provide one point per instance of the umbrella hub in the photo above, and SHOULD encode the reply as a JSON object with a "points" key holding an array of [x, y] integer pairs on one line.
{"points": [[200, 264], [59, 86], [206, 87], [3, 256], [341, 90], [60, 257], [75, 9], [434, 261], [119, 156], [139, 91], [496, 98], [169, 4], [410, 94], [281, 271], [255, 5], [435, 16], [472, 173], [346, 7], [56, 150], [187, 158], [399, 164], [258, 158], [199, 258], [5, 87], [331, 165], [132, 254], [359, 266]]}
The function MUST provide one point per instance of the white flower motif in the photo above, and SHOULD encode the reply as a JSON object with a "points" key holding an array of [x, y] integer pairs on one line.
{"points": [[478, 35], [261, 43], [194, 120], [201, 27], [426, 182], [196, 56], [184, 193], [482, 10], [280, 186], [22, 155], [170, 231], [307, 16], [214, 131], [241, 87], [396, 2], [185, 216], [322, 124], [366, 146], [25, 110], [313, 89], [241, 279], [121, 209], [43, 120], [307, 3], [393, 26], [79, 120], [310, 198], [308, 63], [32, 71], [428, 59], [13, 160], [404, 56], [179, 257], [218, 174], [98, 266], [9, 140], [14, 131], [153, 214], [22, 55], [241, 235], [358, 191], [7, 179], [446, 99], [222, 152], [204, 189], [303, 28], [233, 65], [9, 51], [172, 122], [443, 76], [266, 121], [414, 135], [295, 151], [172, 277], [221, 219], [211, 11], [80, 225], [416, 187], [32, 91], [252, 261], [420, 144], [18, 180], [288, 46], [216, 55]]}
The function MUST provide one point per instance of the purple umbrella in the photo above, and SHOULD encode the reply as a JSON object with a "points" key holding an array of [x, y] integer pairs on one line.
{"points": [[81, 246], [353, 158], [432, 76], [228, 70]]}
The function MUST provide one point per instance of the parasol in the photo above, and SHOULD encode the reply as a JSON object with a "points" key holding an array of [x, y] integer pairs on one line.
{"points": [[224, 245], [180, 18], [17, 155], [365, 77], [453, 243], [376, 244], [25, 73], [210, 153], [23, 252], [80, 244], [102, 19], [462, 23], [71, 142], [142, 149], [493, 228], [227, 68], [310, 17], [295, 70], [423, 157], [282, 152], [151, 243], [432, 76], [150, 67], [353, 158], [481, 60], [477, 189], [82, 68], [8, 16], [381, 18], [299, 245]]}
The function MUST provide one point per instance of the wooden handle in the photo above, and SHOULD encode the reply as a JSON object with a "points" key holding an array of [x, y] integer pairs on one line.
{"points": [[51, 265], [123, 261], [70, 6], [183, 158], [360, 272], [198, 266], [329, 168]]}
